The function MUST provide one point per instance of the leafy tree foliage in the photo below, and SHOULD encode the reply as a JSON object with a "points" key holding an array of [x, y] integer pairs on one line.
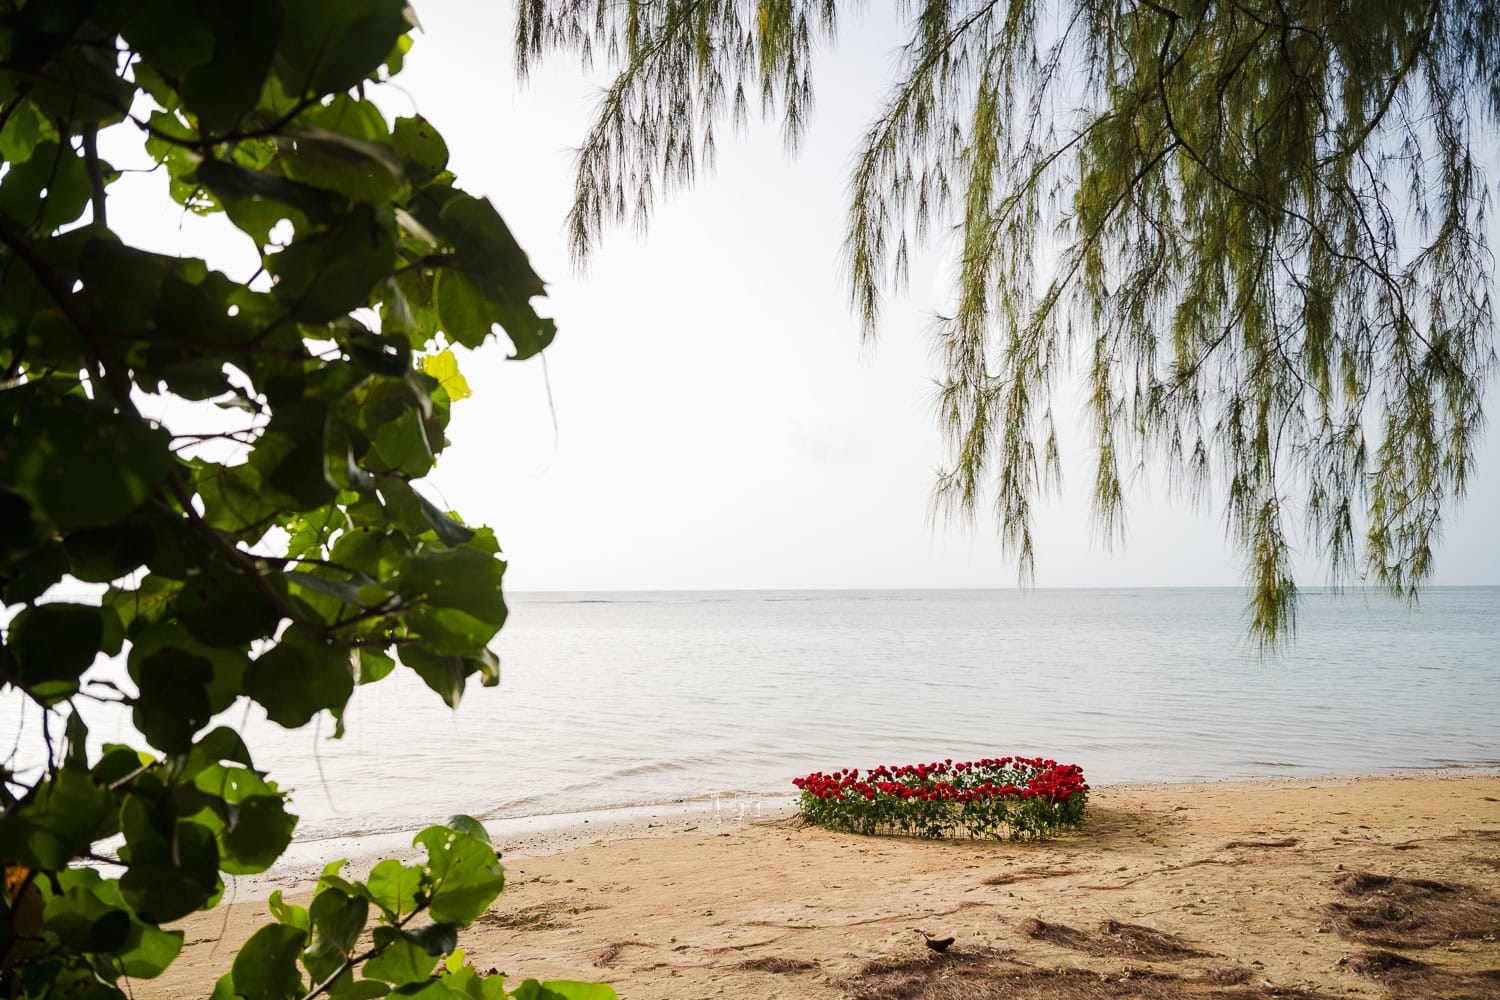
{"points": [[1255, 229], [285, 559]]}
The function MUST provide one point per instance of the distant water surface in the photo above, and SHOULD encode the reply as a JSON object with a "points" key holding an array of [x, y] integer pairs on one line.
{"points": [[630, 698]]}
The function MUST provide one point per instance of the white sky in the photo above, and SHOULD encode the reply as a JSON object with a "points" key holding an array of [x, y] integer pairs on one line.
{"points": [[718, 423]]}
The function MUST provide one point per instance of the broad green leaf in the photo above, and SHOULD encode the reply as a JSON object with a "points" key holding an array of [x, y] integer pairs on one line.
{"points": [[466, 876], [563, 989], [374, 665], [222, 89], [146, 950], [256, 199], [292, 455], [25, 128], [401, 446], [401, 960], [99, 555], [420, 146], [328, 46], [467, 314], [222, 607], [81, 464], [228, 666], [393, 887], [461, 579], [258, 831], [216, 746], [30, 576], [337, 920], [173, 866], [53, 644], [324, 275], [360, 169], [266, 967], [449, 531], [60, 173], [437, 939], [289, 913], [62, 819], [84, 922], [300, 677], [173, 699]]}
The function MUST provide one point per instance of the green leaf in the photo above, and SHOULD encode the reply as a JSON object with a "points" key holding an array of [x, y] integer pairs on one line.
{"points": [[222, 89], [33, 574], [437, 939], [301, 677], [357, 168], [173, 867], [292, 455], [228, 668], [337, 920], [466, 313], [289, 913], [469, 826], [374, 665], [53, 644], [325, 275], [393, 887], [461, 579], [84, 922], [446, 673], [563, 989], [328, 46], [25, 128], [216, 746], [349, 988], [81, 463], [58, 824], [258, 831], [401, 446], [173, 701], [145, 951], [222, 607], [99, 555], [420, 147], [466, 876], [55, 170], [449, 530], [256, 199], [486, 249], [266, 967], [401, 960]]}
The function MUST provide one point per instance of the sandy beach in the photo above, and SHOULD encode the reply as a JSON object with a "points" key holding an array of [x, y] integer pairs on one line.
{"points": [[1386, 886]]}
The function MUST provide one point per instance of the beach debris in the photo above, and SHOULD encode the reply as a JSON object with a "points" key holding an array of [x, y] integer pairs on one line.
{"points": [[1283, 842], [1410, 977], [539, 917], [990, 975], [1113, 938], [1392, 912], [777, 964], [1027, 875]]}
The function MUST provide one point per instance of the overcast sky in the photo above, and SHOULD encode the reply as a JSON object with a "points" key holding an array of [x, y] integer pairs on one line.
{"points": [[718, 424]]}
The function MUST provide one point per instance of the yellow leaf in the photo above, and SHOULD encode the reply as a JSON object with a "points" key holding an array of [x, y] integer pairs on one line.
{"points": [[443, 366]]}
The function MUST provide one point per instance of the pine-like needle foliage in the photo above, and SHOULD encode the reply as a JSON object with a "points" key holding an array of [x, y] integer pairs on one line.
{"points": [[1255, 229]]}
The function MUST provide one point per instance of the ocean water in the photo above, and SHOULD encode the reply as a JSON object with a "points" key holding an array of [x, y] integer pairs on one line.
{"points": [[635, 698]]}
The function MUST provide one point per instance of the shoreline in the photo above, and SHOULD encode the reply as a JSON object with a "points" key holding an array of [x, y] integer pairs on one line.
{"points": [[1239, 879], [541, 834]]}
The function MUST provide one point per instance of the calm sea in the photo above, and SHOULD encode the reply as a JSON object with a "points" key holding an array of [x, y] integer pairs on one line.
{"points": [[635, 698]]}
